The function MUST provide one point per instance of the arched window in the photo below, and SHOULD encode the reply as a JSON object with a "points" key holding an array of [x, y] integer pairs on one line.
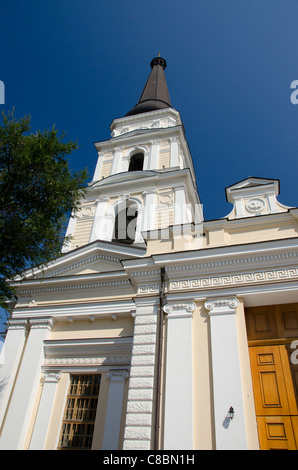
{"points": [[136, 162], [125, 222]]}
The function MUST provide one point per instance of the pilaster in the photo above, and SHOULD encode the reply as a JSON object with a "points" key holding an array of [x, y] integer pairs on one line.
{"points": [[50, 380], [178, 421], [230, 434], [116, 161], [114, 409], [149, 209], [174, 151], [98, 166], [97, 232], [10, 358], [180, 205], [153, 155], [24, 393], [139, 414]]}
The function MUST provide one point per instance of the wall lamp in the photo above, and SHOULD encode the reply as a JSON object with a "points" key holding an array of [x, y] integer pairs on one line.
{"points": [[231, 413]]}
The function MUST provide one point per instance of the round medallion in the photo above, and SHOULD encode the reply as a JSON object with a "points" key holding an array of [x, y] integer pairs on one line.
{"points": [[255, 205]]}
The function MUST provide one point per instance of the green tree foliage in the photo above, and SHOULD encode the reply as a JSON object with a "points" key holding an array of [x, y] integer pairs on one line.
{"points": [[37, 193]]}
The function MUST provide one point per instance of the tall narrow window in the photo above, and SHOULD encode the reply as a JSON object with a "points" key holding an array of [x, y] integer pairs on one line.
{"points": [[80, 411], [136, 162]]}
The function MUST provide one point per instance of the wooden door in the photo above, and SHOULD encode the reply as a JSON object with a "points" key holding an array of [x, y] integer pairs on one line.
{"points": [[271, 331], [275, 400]]}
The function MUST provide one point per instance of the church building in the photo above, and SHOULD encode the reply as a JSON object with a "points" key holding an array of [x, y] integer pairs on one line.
{"points": [[157, 329]]}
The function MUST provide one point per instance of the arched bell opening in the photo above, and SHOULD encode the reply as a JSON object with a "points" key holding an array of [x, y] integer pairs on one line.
{"points": [[126, 214]]}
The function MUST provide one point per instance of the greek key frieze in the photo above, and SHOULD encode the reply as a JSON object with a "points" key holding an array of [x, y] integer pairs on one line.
{"points": [[235, 279]]}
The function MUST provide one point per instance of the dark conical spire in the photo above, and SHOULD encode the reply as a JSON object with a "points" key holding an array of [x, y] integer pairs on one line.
{"points": [[155, 94]]}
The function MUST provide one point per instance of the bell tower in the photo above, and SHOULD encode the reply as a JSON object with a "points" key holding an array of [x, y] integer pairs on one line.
{"points": [[144, 180]]}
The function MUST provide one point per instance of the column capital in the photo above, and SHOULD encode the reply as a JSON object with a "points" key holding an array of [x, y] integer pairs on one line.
{"points": [[179, 309], [51, 376], [42, 322], [18, 324], [117, 375], [222, 306]]}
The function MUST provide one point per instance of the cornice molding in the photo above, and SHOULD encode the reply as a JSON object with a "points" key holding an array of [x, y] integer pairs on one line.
{"points": [[100, 352], [90, 310], [222, 281], [74, 286], [229, 262]]}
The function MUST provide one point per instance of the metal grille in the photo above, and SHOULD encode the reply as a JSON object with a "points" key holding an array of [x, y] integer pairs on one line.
{"points": [[80, 411]]}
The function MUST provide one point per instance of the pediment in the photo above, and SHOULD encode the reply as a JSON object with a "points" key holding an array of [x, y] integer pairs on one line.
{"points": [[253, 182], [94, 258]]}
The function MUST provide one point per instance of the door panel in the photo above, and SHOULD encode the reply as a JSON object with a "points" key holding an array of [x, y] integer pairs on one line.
{"points": [[287, 320], [268, 381], [273, 321], [275, 397], [261, 323], [276, 433]]}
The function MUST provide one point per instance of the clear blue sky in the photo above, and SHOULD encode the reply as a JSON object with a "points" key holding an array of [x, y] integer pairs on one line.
{"points": [[80, 64]]}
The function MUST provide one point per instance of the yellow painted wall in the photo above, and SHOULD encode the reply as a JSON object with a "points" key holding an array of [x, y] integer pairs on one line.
{"points": [[105, 328]]}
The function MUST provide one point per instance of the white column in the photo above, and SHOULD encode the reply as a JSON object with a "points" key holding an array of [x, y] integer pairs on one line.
{"points": [[149, 210], [125, 163], [139, 414], [146, 165], [50, 381], [180, 205], [227, 384], [116, 166], [10, 358], [153, 159], [69, 232], [24, 393], [138, 236], [98, 166], [114, 409], [178, 420], [97, 232], [174, 152]]}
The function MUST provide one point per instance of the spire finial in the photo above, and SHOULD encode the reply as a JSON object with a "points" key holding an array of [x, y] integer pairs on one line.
{"points": [[155, 94]]}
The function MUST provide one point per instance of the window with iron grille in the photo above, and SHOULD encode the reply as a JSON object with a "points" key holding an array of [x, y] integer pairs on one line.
{"points": [[80, 411]]}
